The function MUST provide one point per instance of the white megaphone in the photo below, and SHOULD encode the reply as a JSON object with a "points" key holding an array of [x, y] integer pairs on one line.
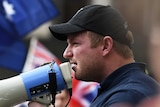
{"points": [[36, 84]]}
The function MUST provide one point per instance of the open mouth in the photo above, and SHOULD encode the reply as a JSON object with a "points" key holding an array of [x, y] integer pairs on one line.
{"points": [[73, 66]]}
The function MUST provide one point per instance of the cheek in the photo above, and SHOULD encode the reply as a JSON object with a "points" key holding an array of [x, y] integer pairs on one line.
{"points": [[87, 54], [89, 60], [80, 53]]}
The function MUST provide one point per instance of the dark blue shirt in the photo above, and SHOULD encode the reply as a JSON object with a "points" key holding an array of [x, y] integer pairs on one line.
{"points": [[128, 84]]}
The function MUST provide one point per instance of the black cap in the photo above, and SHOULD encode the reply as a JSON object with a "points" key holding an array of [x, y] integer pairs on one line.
{"points": [[100, 19]]}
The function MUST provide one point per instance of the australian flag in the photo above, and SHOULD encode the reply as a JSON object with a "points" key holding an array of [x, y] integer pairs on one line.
{"points": [[18, 18]]}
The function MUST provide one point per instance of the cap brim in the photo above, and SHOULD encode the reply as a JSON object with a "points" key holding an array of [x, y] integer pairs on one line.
{"points": [[60, 31]]}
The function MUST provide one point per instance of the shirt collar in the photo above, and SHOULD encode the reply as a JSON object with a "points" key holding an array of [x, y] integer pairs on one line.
{"points": [[117, 74]]}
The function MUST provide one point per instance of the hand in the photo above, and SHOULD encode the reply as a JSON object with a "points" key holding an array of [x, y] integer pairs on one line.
{"points": [[35, 104]]}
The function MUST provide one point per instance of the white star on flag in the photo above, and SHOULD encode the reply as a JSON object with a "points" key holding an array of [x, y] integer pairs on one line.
{"points": [[8, 9]]}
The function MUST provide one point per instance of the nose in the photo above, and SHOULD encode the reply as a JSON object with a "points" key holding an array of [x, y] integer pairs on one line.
{"points": [[67, 53]]}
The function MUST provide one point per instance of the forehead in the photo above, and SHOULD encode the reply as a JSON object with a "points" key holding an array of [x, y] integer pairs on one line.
{"points": [[77, 36]]}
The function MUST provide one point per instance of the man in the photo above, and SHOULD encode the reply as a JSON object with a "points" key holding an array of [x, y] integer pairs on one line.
{"points": [[99, 50]]}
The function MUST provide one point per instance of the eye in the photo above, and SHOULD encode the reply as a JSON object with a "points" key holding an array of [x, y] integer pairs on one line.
{"points": [[75, 43]]}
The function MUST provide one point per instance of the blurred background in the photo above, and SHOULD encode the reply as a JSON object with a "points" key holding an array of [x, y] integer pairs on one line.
{"points": [[24, 23]]}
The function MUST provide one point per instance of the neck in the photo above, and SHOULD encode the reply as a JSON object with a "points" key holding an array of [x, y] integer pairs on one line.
{"points": [[115, 62]]}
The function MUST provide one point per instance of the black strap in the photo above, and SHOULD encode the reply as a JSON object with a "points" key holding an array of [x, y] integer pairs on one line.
{"points": [[53, 85]]}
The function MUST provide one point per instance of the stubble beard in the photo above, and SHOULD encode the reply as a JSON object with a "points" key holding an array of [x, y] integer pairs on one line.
{"points": [[86, 72]]}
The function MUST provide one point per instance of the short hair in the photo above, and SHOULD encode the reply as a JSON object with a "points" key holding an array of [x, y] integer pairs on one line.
{"points": [[122, 49], [95, 38]]}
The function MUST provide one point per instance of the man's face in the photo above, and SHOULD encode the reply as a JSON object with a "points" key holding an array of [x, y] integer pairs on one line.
{"points": [[85, 60]]}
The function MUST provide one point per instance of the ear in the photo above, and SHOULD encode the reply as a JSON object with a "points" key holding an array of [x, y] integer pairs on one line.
{"points": [[107, 45]]}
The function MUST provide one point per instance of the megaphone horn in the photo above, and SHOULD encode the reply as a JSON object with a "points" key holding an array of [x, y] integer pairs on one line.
{"points": [[34, 84]]}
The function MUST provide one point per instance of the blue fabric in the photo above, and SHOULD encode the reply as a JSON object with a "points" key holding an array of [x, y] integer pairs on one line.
{"points": [[13, 56], [18, 18], [29, 14], [128, 84]]}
